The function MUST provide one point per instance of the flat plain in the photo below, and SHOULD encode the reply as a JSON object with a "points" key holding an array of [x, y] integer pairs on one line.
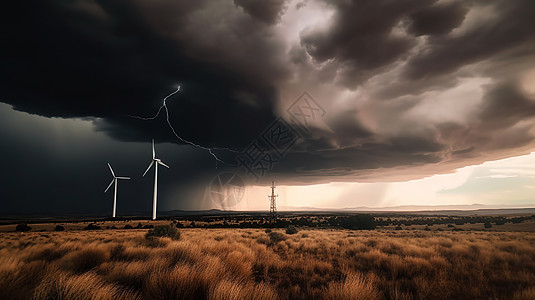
{"points": [[257, 263]]}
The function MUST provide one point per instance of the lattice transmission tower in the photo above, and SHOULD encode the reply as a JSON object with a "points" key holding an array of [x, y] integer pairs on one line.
{"points": [[272, 202]]}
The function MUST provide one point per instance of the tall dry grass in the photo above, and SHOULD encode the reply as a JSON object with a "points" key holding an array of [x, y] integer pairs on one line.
{"points": [[248, 264]]}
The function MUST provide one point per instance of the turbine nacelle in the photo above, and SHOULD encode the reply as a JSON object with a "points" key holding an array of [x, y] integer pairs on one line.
{"points": [[154, 160], [115, 178]]}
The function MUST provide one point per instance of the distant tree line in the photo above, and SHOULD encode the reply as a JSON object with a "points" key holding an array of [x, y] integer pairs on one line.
{"points": [[429, 221], [356, 222], [346, 221]]}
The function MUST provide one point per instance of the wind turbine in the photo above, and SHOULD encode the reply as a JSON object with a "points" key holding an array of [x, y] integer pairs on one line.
{"points": [[114, 180], [155, 161]]}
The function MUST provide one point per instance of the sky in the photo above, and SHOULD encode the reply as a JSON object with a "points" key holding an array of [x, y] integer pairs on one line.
{"points": [[343, 104]]}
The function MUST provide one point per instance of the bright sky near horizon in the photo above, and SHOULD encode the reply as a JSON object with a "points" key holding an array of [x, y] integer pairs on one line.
{"points": [[509, 182]]}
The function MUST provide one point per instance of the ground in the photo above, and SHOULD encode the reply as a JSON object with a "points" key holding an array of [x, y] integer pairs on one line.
{"points": [[254, 263]]}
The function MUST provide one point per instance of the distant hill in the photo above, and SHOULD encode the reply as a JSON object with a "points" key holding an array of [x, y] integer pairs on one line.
{"points": [[452, 210], [479, 209]]}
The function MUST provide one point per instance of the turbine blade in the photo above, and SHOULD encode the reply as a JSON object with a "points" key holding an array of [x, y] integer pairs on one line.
{"points": [[161, 163], [122, 177], [153, 152], [109, 166], [112, 181], [151, 163]]}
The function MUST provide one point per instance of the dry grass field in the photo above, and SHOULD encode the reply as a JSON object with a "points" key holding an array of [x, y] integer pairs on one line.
{"points": [[252, 264]]}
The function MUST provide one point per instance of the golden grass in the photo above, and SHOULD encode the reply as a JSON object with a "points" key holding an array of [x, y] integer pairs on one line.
{"points": [[248, 264]]}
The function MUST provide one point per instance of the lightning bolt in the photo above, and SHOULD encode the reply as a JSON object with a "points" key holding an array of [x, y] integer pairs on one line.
{"points": [[164, 107]]}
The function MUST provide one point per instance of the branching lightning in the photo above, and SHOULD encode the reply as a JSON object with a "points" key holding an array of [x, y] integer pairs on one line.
{"points": [[164, 106]]}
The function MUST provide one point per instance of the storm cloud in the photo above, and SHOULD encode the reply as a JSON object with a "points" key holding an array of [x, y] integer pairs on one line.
{"points": [[411, 87]]}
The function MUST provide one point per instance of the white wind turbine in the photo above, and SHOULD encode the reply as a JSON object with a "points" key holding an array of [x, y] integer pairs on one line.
{"points": [[155, 161], [114, 180]]}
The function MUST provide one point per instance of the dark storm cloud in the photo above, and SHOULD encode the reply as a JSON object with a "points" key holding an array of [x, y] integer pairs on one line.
{"points": [[400, 151], [359, 40], [347, 128], [505, 106], [438, 19], [503, 124], [266, 11], [109, 59], [504, 26]]}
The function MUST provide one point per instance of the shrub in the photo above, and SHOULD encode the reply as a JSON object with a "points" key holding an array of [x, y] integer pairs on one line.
{"points": [[276, 237], [23, 227], [357, 222], [128, 226], [92, 227], [163, 231], [488, 225], [291, 229], [59, 228]]}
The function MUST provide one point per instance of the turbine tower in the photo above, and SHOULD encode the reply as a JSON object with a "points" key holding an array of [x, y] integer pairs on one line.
{"points": [[114, 181], [272, 203], [155, 161]]}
